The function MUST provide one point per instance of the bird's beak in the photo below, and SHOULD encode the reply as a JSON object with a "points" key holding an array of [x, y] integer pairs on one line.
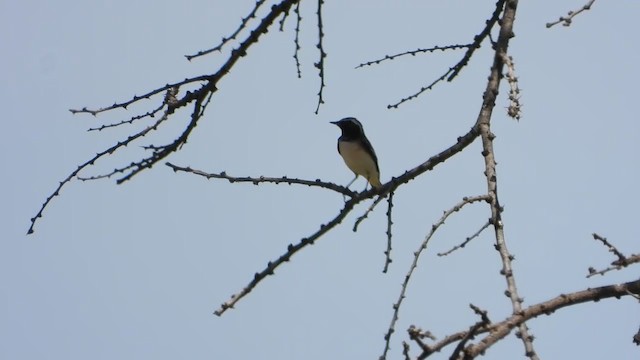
{"points": [[334, 122]]}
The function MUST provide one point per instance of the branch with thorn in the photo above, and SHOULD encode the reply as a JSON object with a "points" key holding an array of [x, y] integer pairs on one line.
{"points": [[568, 20], [453, 71], [416, 256], [199, 99], [494, 332], [622, 260], [515, 109]]}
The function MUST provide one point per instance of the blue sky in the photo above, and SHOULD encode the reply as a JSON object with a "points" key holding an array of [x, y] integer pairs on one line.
{"points": [[135, 271]]}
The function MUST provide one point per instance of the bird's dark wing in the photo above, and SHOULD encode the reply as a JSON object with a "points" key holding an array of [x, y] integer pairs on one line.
{"points": [[369, 148]]}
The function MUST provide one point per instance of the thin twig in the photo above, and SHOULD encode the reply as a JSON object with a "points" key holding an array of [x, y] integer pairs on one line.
{"points": [[414, 265], [297, 39], [612, 249], [497, 331], [387, 252], [224, 41], [453, 71], [265, 179], [467, 240], [366, 213], [198, 99], [414, 53], [515, 108], [291, 250], [501, 47], [471, 333], [568, 20], [320, 64]]}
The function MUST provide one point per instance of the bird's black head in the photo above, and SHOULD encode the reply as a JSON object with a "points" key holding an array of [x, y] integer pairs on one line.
{"points": [[351, 127]]}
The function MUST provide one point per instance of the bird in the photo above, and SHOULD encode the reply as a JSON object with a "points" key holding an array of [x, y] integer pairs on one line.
{"points": [[357, 152]]}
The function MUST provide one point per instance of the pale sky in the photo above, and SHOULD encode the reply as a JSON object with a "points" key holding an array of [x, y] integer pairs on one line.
{"points": [[135, 271]]}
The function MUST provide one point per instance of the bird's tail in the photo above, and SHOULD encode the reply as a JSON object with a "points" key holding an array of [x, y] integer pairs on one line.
{"points": [[375, 182]]}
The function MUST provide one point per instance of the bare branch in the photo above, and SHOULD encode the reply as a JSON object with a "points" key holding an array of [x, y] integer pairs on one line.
{"points": [[467, 240], [612, 249], [414, 53], [297, 39], [291, 250], [498, 331], [90, 162], [243, 25], [150, 114], [616, 265], [387, 252], [622, 261], [515, 109], [566, 21], [147, 96], [264, 179], [366, 213], [471, 333], [484, 123], [455, 70], [198, 98], [320, 64], [414, 264]]}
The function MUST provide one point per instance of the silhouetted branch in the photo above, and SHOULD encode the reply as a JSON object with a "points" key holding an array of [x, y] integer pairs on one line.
{"points": [[147, 96], [566, 21], [501, 47], [414, 265], [622, 260], [387, 252], [471, 333], [515, 109], [264, 179], [414, 53], [150, 114], [320, 64], [89, 162], [467, 240], [366, 213], [498, 331], [455, 70], [199, 99], [610, 247], [291, 250], [242, 26], [297, 39]]}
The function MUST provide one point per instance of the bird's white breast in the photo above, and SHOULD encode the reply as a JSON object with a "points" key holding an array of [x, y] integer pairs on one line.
{"points": [[358, 160]]}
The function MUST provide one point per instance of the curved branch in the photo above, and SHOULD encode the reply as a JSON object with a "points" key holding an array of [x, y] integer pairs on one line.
{"points": [[264, 179], [396, 306], [499, 330], [199, 98], [291, 250]]}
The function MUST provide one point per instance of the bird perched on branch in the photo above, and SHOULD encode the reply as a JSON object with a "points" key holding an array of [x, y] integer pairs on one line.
{"points": [[357, 152]]}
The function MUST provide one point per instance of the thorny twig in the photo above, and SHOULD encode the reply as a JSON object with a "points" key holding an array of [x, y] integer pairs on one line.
{"points": [[567, 20], [396, 306], [467, 240], [497, 331]]}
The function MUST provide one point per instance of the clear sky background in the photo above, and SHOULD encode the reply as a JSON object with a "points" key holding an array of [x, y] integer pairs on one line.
{"points": [[135, 271]]}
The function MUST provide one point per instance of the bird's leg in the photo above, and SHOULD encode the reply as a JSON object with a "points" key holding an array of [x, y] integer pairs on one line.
{"points": [[366, 185], [351, 182], [344, 197]]}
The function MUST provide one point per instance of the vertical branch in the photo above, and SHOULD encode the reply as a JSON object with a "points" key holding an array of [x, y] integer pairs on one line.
{"points": [[484, 125], [320, 64], [416, 256], [387, 252], [297, 39]]}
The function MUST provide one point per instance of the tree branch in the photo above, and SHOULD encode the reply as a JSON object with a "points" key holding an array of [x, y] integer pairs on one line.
{"points": [[499, 330]]}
